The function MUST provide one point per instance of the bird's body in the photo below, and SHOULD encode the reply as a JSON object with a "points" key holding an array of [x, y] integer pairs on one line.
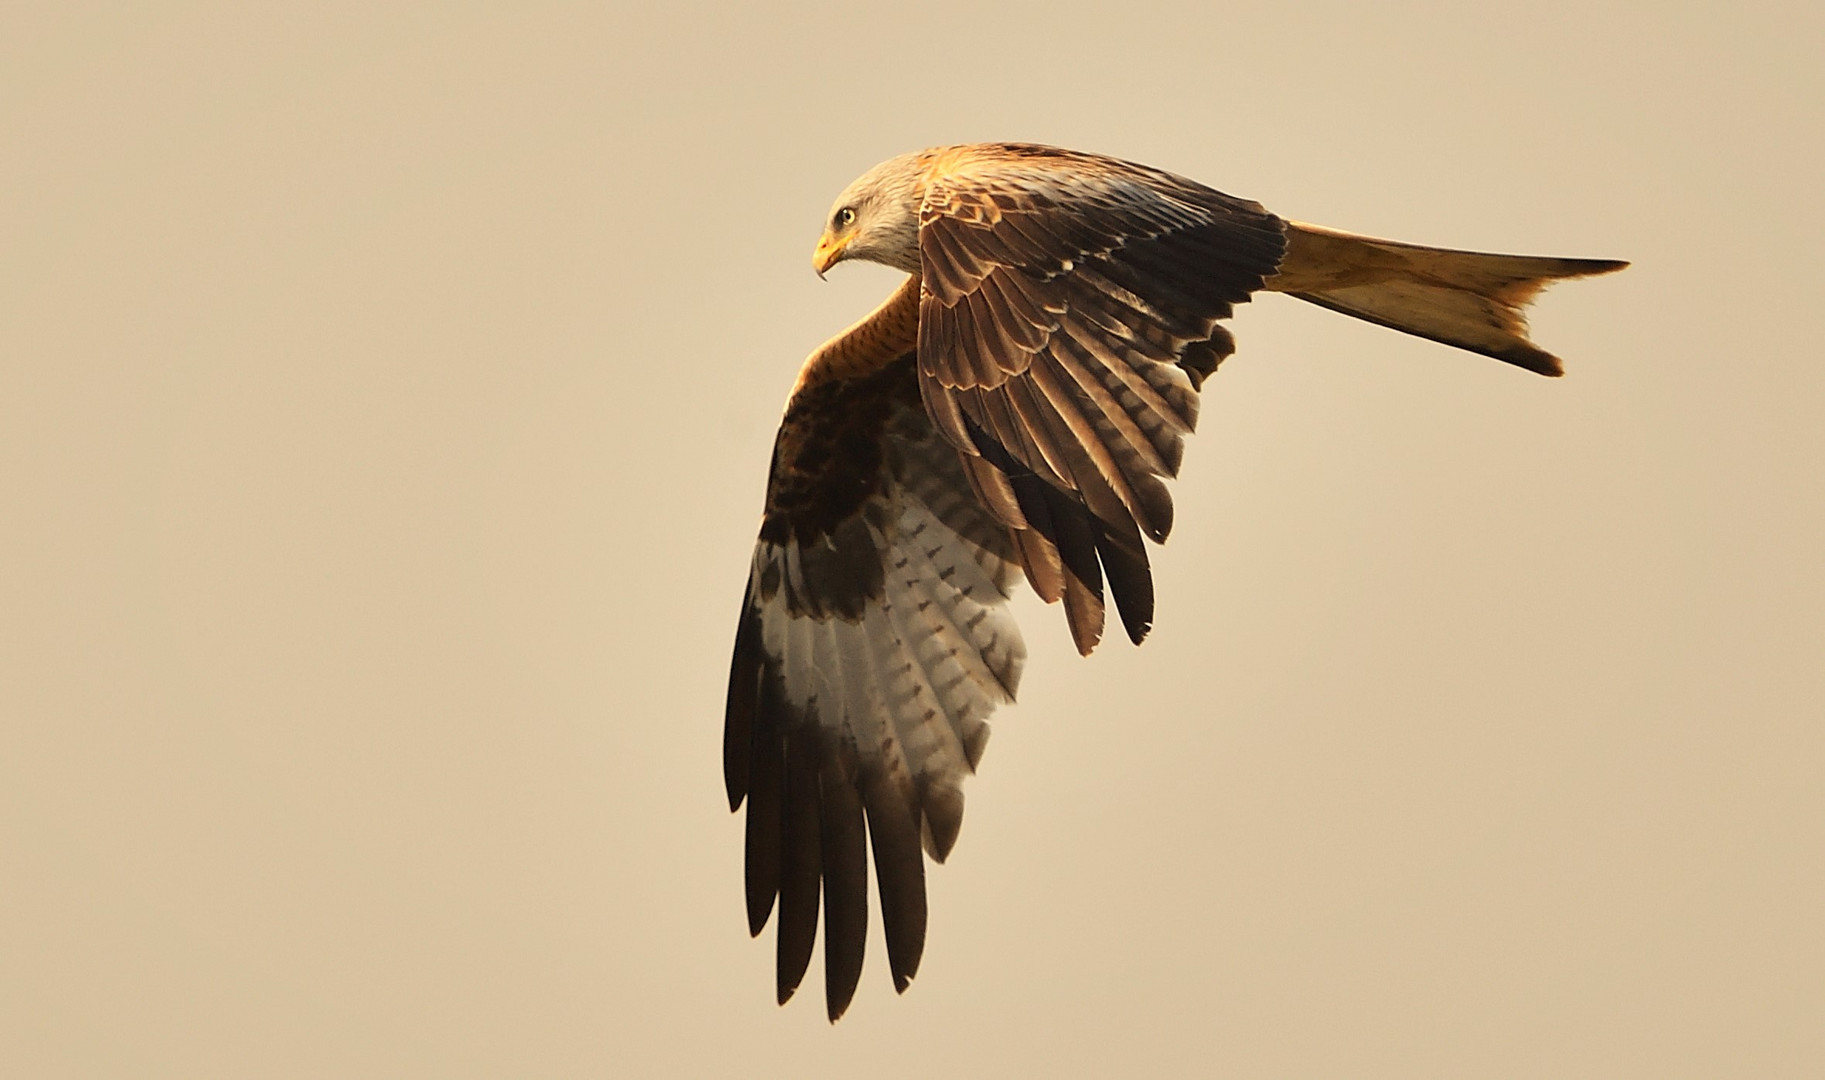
{"points": [[1013, 408]]}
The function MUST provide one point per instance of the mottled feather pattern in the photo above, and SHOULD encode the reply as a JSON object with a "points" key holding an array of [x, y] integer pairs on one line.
{"points": [[1071, 323], [1014, 408], [874, 646]]}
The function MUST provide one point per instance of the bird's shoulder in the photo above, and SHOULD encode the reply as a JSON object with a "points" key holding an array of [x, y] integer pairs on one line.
{"points": [[827, 455]]}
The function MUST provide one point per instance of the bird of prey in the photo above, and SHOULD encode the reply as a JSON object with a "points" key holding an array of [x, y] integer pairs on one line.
{"points": [[1012, 410]]}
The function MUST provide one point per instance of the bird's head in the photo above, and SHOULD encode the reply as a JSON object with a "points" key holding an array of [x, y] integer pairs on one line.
{"points": [[876, 218]]}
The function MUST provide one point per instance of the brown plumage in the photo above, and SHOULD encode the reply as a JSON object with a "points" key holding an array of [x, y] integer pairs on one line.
{"points": [[1015, 407]]}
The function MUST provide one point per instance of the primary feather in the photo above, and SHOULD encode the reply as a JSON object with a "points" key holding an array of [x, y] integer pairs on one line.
{"points": [[1015, 407]]}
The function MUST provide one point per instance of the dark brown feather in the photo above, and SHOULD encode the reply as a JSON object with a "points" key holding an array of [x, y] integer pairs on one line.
{"points": [[800, 861], [1044, 570], [1067, 310], [992, 489], [899, 864], [1068, 314], [766, 781], [845, 866], [1067, 536], [861, 481], [743, 702]]}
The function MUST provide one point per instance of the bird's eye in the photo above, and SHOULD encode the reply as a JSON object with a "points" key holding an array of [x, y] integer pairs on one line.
{"points": [[844, 218]]}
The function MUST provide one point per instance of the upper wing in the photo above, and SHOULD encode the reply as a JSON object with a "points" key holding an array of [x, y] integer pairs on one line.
{"points": [[1068, 314], [873, 644]]}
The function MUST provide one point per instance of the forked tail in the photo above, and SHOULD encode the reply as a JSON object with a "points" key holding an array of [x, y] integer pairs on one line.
{"points": [[1469, 299]]}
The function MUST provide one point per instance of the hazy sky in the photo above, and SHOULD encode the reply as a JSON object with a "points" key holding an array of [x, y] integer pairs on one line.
{"points": [[387, 394]]}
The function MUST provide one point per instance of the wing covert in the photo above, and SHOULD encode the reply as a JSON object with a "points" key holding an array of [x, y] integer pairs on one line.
{"points": [[1069, 313]]}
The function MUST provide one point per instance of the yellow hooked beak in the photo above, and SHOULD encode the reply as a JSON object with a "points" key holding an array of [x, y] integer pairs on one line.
{"points": [[829, 252]]}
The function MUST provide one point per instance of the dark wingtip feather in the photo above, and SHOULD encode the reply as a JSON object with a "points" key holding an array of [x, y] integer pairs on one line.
{"points": [[800, 866], [1083, 615], [1076, 536], [763, 852], [1592, 267], [745, 669], [899, 864], [845, 861], [765, 794], [1125, 565], [1533, 359]]}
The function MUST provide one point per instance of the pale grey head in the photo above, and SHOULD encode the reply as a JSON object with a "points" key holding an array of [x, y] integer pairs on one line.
{"points": [[876, 218]]}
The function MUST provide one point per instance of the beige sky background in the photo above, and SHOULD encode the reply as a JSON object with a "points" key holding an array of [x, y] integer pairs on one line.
{"points": [[386, 406]]}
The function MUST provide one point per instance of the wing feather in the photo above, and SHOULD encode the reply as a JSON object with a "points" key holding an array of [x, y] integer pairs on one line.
{"points": [[800, 863], [1015, 408], [845, 868], [873, 646], [1069, 311], [763, 787], [899, 867]]}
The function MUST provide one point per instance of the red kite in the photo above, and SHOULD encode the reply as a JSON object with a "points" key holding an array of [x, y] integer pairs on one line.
{"points": [[1013, 409]]}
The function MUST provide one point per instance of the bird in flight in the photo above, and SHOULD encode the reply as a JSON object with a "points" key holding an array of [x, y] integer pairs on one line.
{"points": [[1012, 410]]}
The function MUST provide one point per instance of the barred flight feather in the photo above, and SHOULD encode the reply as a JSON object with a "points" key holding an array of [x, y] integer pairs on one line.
{"points": [[875, 645], [1014, 408]]}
